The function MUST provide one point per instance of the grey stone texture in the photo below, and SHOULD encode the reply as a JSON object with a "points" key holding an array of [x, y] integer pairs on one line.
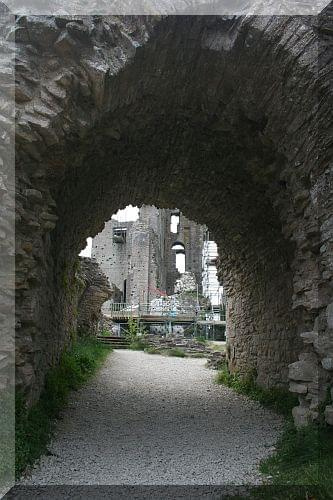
{"points": [[218, 116], [94, 290], [137, 256]]}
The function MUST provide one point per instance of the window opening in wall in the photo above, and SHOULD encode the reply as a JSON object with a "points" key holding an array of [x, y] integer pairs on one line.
{"points": [[174, 222], [119, 234], [179, 248], [210, 283], [125, 291]]}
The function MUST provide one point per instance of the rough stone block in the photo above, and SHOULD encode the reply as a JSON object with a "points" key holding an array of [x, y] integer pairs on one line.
{"points": [[327, 363], [303, 370], [329, 414], [298, 388], [329, 312], [302, 416]]}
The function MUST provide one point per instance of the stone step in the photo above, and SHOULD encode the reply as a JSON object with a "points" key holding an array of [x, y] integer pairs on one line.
{"points": [[114, 342]]}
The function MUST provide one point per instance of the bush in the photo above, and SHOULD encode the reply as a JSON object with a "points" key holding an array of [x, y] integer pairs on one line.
{"points": [[152, 350], [134, 335], [175, 351], [34, 426], [138, 345]]}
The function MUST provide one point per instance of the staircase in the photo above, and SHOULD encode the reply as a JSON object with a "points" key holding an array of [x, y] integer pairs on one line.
{"points": [[114, 342]]}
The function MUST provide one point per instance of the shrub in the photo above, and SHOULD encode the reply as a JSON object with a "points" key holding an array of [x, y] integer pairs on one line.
{"points": [[152, 350], [175, 351], [34, 426]]}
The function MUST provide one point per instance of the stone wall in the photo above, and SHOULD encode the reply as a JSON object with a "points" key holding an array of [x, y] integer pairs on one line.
{"points": [[144, 257], [190, 234], [94, 290], [214, 115]]}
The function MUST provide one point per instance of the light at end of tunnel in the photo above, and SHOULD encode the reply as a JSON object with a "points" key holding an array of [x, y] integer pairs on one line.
{"points": [[86, 252]]}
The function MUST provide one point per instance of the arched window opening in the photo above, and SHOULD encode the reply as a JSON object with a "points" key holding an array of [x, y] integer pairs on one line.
{"points": [[179, 248]]}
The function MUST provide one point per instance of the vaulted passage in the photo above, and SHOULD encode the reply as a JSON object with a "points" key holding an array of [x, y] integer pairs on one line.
{"points": [[213, 115]]}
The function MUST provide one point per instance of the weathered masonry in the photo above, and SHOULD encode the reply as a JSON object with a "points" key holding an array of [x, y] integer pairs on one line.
{"points": [[139, 257], [227, 119]]}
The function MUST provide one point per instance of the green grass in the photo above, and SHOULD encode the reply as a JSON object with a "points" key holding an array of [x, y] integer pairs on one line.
{"points": [[201, 340], [152, 350], [34, 427], [176, 352], [279, 400], [6, 437], [304, 457], [216, 347], [138, 344], [302, 467], [196, 355], [105, 333]]}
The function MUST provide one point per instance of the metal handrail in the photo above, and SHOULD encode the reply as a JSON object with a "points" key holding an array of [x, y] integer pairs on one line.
{"points": [[124, 309]]}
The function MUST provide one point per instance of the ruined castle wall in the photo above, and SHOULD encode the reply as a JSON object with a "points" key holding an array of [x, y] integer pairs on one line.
{"points": [[101, 124], [111, 255], [190, 234]]}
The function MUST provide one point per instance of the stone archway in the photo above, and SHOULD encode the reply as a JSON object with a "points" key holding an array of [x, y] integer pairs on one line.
{"points": [[186, 112]]}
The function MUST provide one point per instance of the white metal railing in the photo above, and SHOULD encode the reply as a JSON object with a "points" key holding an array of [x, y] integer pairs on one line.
{"points": [[126, 310]]}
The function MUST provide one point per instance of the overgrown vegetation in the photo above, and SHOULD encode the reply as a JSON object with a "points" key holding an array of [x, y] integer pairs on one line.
{"points": [[33, 427], [104, 333], [176, 352], [302, 467], [135, 335], [279, 400], [6, 437], [173, 351], [304, 457]]}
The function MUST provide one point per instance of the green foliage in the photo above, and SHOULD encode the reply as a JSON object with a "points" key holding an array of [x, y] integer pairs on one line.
{"points": [[201, 340], [34, 426], [104, 333], [280, 400], [135, 334], [176, 352], [196, 355], [134, 330], [302, 467], [6, 437], [304, 457], [138, 345], [152, 350]]}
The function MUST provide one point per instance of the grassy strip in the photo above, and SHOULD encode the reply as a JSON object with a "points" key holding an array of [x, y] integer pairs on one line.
{"points": [[304, 457], [7, 455], [33, 427], [302, 467], [277, 399]]}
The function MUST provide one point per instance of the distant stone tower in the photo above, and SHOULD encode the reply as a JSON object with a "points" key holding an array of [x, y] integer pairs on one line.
{"points": [[139, 257]]}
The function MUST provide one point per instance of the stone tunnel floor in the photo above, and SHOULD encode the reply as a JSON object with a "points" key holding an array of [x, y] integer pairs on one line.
{"points": [[148, 419]]}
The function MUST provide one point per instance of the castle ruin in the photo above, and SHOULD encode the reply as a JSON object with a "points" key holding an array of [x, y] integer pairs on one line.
{"points": [[140, 257]]}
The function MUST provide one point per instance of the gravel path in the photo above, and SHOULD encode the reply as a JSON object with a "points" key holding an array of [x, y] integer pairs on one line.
{"points": [[149, 419]]}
